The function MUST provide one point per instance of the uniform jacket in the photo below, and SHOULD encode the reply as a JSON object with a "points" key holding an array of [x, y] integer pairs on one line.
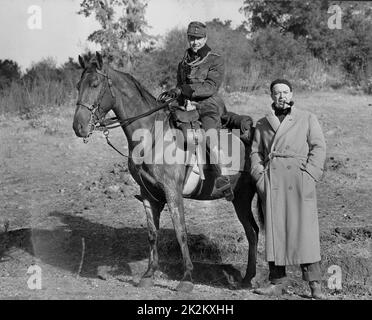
{"points": [[202, 78], [286, 161]]}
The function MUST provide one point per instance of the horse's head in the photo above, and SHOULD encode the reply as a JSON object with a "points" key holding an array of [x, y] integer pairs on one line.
{"points": [[95, 96]]}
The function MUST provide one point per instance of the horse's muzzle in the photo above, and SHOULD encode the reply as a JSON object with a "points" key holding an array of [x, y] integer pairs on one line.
{"points": [[79, 130], [81, 122]]}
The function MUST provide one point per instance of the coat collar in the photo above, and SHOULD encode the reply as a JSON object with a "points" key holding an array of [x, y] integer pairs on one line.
{"points": [[273, 120], [200, 54], [194, 59], [275, 123]]}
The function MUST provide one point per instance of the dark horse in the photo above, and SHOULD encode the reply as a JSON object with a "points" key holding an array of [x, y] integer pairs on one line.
{"points": [[102, 89]]}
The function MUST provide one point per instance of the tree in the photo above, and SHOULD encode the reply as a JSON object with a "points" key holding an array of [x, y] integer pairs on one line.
{"points": [[44, 70], [70, 64], [70, 72], [237, 50], [295, 16], [9, 71], [308, 20], [302, 19], [357, 46], [122, 34]]}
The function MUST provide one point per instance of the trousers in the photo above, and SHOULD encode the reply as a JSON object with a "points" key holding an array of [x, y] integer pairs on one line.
{"points": [[310, 272]]}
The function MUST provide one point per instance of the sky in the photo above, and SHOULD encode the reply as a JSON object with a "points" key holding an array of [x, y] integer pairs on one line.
{"points": [[34, 29]]}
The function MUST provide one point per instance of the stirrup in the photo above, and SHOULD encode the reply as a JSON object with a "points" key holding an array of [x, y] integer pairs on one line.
{"points": [[223, 185]]}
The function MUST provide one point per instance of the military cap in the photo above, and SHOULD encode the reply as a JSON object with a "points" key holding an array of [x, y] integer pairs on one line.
{"points": [[197, 29], [283, 81]]}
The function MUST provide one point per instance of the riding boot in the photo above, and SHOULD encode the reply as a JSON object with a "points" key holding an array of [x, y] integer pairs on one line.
{"points": [[223, 180]]}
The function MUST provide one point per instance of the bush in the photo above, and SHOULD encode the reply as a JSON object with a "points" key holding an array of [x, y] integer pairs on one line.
{"points": [[9, 72], [44, 85], [157, 69], [237, 50]]}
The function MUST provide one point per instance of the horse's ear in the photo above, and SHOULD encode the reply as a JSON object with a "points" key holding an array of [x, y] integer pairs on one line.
{"points": [[99, 60], [82, 62]]}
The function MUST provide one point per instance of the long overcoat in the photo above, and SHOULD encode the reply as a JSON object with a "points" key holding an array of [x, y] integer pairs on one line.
{"points": [[286, 161]]}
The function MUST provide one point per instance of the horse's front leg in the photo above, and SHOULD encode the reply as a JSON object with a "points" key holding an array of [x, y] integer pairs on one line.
{"points": [[153, 210], [176, 208], [242, 204]]}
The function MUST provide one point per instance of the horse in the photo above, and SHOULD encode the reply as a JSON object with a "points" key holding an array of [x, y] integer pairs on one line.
{"points": [[101, 89]]}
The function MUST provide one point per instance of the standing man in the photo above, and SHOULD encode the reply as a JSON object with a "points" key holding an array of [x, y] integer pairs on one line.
{"points": [[199, 76], [287, 159]]}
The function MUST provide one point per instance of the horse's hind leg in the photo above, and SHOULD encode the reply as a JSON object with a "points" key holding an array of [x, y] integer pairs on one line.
{"points": [[153, 210], [242, 204]]}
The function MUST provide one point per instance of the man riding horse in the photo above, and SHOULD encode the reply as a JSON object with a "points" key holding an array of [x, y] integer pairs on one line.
{"points": [[199, 76], [102, 89]]}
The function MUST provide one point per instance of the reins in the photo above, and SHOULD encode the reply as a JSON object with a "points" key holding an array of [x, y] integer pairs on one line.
{"points": [[114, 122], [111, 122]]}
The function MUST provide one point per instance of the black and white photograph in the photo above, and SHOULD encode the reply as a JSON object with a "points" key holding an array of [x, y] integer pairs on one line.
{"points": [[201, 151]]}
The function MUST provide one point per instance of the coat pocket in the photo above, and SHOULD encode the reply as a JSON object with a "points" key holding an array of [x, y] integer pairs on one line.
{"points": [[308, 187]]}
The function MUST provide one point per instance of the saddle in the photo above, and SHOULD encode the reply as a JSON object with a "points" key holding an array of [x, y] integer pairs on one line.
{"points": [[186, 117], [183, 118]]}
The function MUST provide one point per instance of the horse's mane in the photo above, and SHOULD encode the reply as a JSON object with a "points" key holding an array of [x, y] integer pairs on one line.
{"points": [[145, 95]]}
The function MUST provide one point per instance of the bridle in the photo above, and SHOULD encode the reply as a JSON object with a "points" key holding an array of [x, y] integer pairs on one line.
{"points": [[95, 120], [99, 123]]}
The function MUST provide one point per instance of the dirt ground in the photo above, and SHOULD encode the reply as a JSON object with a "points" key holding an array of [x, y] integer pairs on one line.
{"points": [[69, 208]]}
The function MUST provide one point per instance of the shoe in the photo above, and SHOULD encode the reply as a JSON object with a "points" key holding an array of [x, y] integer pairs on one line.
{"points": [[316, 290], [271, 290], [223, 185]]}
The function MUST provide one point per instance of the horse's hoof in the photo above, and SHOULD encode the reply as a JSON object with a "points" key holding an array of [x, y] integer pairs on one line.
{"points": [[185, 286], [146, 283], [246, 285]]}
